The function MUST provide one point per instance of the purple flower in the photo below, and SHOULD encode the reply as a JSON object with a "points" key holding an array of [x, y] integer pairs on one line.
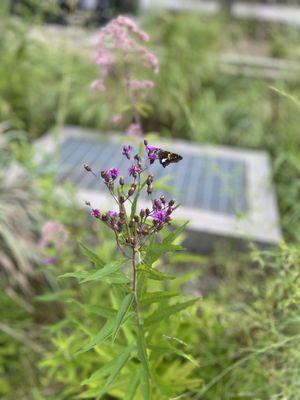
{"points": [[159, 216], [113, 214], [151, 149], [113, 173], [152, 157], [134, 170], [95, 213], [126, 151], [49, 260], [134, 130]]}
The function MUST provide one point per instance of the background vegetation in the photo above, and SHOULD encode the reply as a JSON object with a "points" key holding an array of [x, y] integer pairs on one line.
{"points": [[243, 338]]}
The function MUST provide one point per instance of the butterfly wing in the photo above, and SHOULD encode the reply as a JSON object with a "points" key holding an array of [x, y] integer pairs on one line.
{"points": [[167, 157]]}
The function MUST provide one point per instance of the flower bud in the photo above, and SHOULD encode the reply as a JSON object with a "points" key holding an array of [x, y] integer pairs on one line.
{"points": [[131, 191], [169, 211], [148, 212], [158, 204], [121, 199], [87, 203], [171, 203], [149, 179], [142, 213], [121, 180], [162, 199], [131, 223], [149, 189], [145, 142], [104, 217], [136, 218], [87, 167]]}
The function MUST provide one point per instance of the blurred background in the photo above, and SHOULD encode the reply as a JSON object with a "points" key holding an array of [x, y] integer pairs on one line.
{"points": [[235, 83]]}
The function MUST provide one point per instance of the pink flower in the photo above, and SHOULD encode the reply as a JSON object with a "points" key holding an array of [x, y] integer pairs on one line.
{"points": [[134, 130], [113, 214], [152, 61], [98, 86], [53, 234], [140, 85], [116, 119]]}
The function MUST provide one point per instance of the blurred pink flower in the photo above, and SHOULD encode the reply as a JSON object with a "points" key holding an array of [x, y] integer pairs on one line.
{"points": [[134, 130], [53, 234], [121, 57], [98, 86], [140, 85], [152, 61], [116, 119]]}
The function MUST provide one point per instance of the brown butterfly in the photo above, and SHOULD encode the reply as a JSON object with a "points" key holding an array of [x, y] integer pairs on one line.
{"points": [[167, 157]]}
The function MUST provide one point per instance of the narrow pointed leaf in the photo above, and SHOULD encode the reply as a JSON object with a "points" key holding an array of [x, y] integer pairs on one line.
{"points": [[141, 350], [102, 335], [154, 252], [145, 385], [154, 274], [162, 314], [132, 386], [119, 363], [92, 256], [105, 271], [174, 234], [156, 297], [126, 303]]}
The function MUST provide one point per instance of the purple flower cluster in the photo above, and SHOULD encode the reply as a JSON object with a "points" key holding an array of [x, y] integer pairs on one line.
{"points": [[132, 229]]}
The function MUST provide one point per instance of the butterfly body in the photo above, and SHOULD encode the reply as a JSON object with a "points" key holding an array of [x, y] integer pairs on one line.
{"points": [[167, 157]]}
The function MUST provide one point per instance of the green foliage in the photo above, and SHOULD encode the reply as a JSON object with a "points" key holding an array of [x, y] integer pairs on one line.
{"points": [[128, 362], [19, 215]]}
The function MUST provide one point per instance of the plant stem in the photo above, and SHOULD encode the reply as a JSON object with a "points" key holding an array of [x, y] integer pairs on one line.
{"points": [[135, 288]]}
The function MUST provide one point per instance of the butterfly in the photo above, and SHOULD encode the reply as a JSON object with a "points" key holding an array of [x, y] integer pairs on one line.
{"points": [[167, 157]]}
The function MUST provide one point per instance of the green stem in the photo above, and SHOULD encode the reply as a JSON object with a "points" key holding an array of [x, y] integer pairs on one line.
{"points": [[135, 288]]}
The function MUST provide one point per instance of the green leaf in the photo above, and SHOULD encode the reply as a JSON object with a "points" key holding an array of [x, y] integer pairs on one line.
{"points": [[174, 234], [162, 314], [141, 350], [116, 277], [52, 296], [154, 297], [134, 203], [118, 364], [155, 251], [92, 256], [154, 273], [104, 272], [132, 386], [100, 373], [102, 335], [126, 303], [172, 350], [145, 385], [103, 311]]}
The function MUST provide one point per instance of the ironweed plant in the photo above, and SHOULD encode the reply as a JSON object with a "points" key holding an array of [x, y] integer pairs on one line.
{"points": [[132, 339], [136, 232]]}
